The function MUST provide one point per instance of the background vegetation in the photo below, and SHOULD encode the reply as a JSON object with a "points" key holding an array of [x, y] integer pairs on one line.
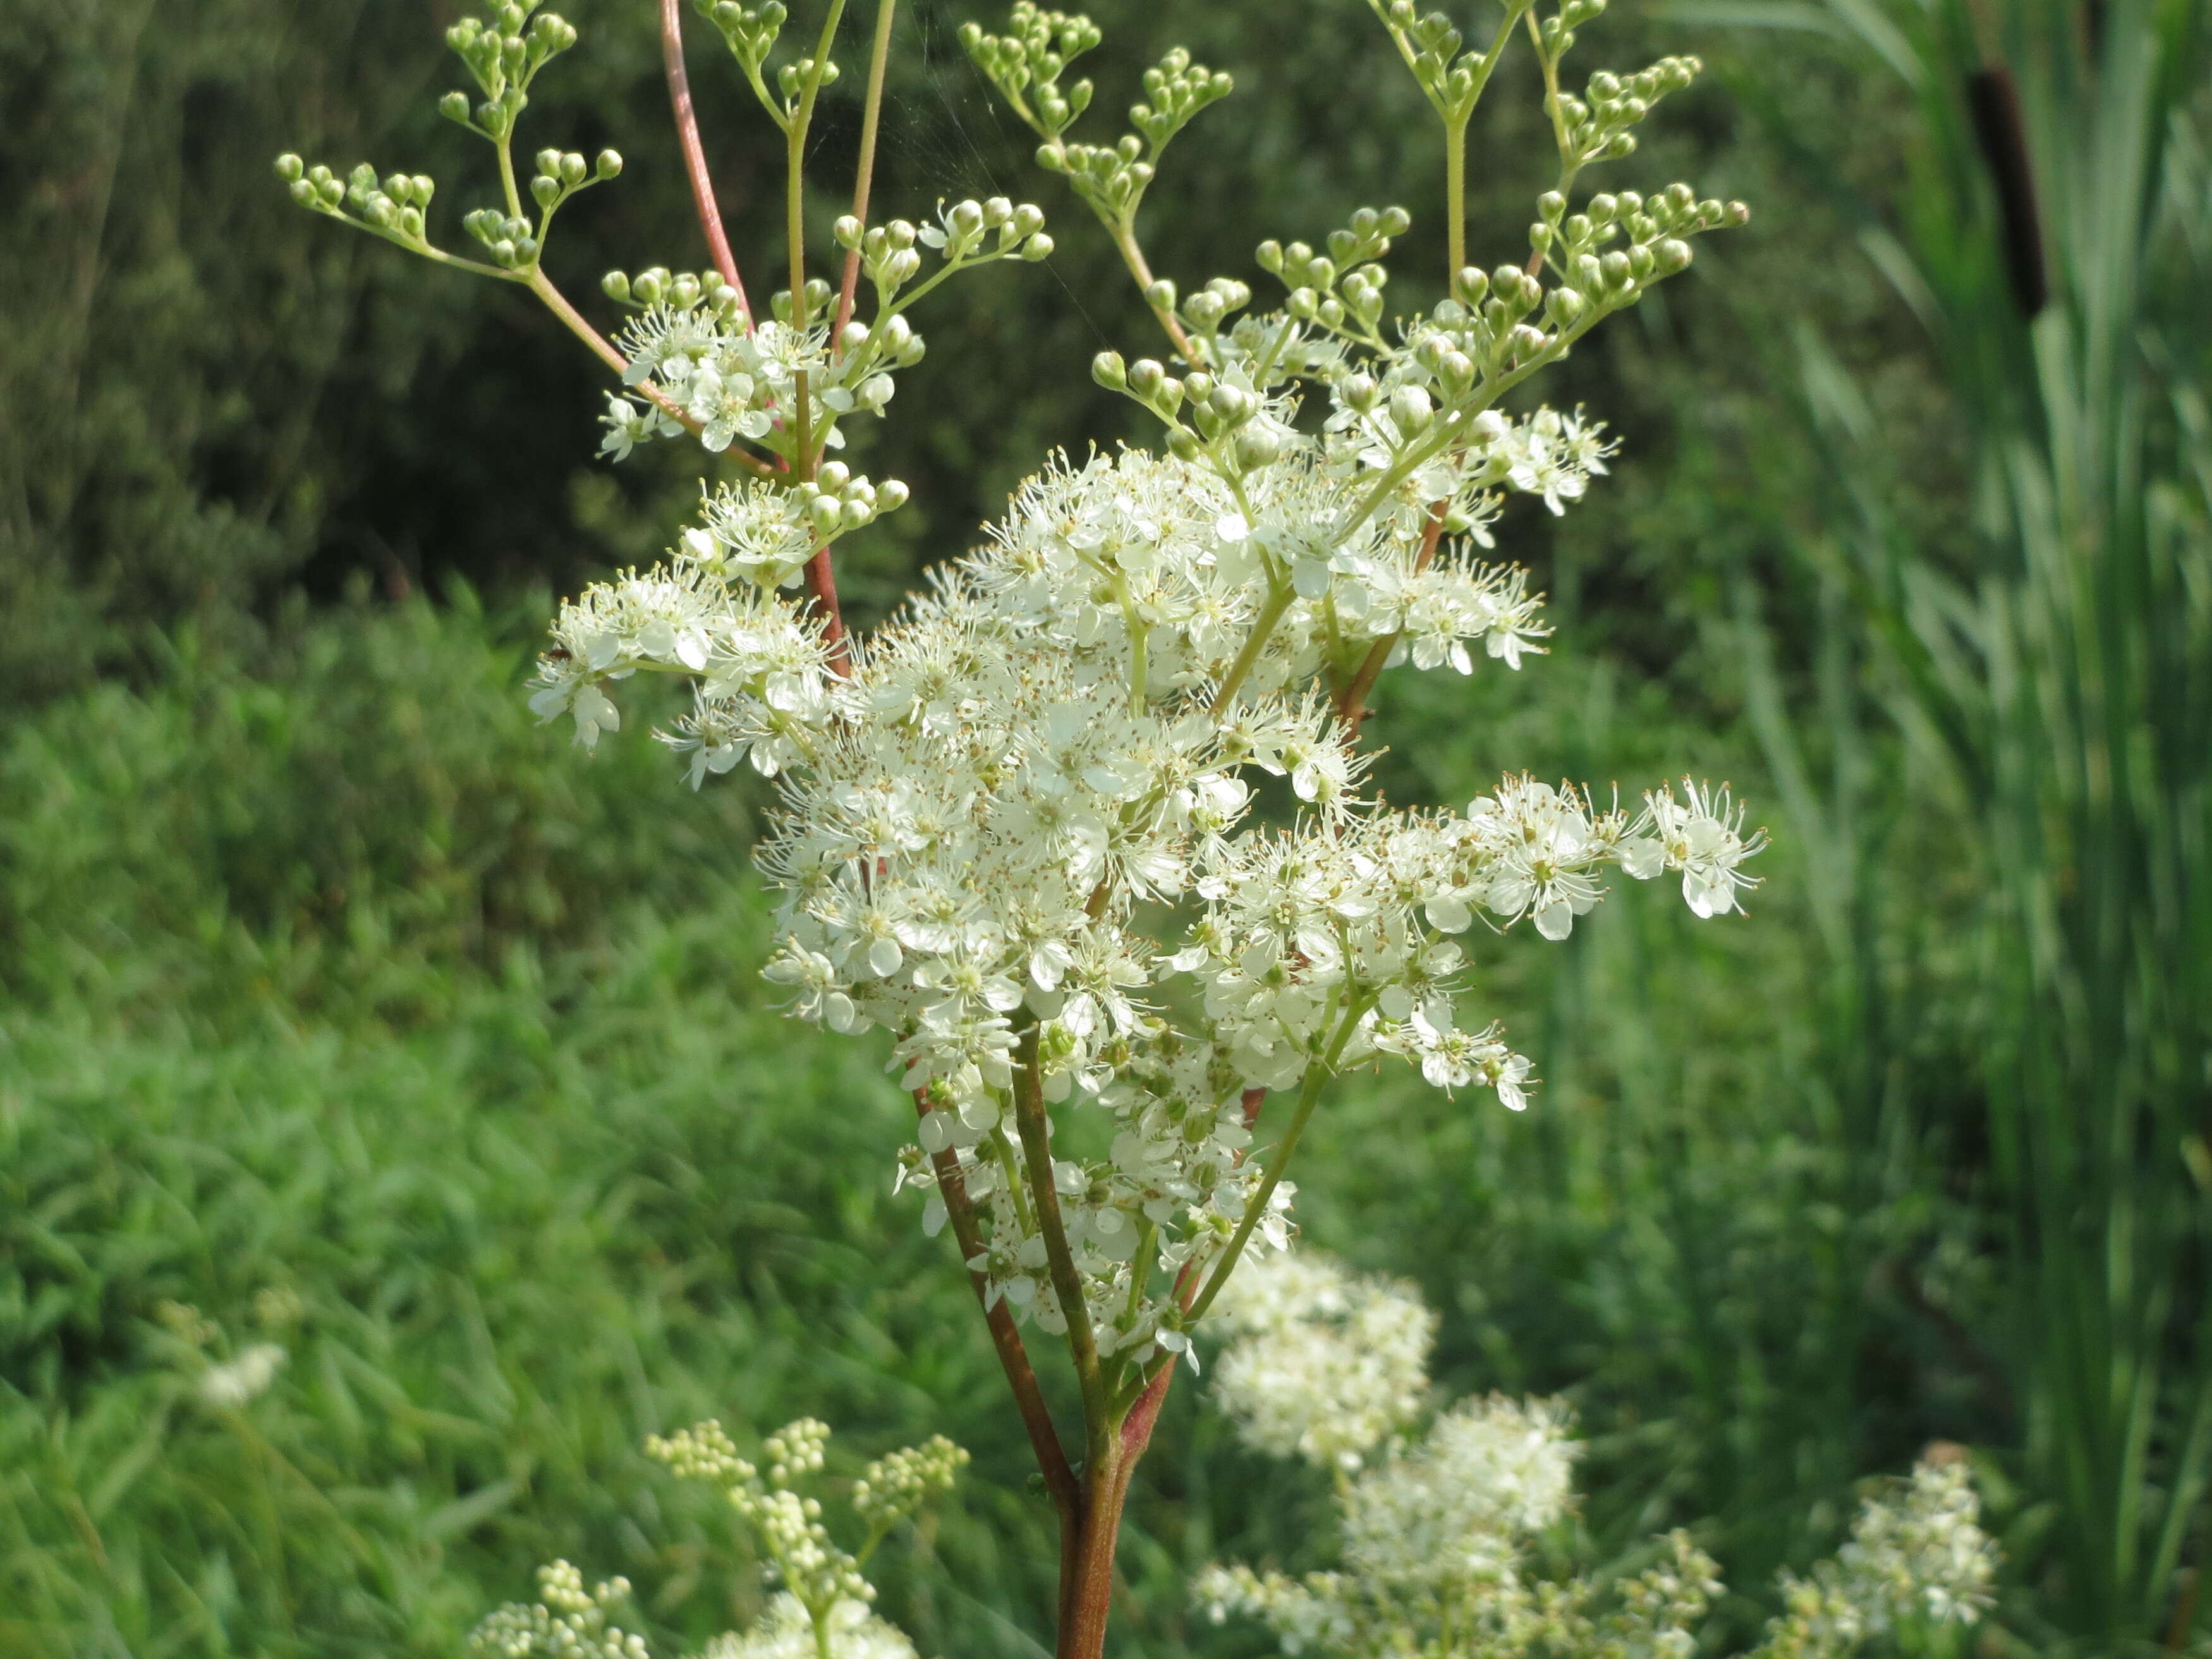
{"points": [[323, 972]]}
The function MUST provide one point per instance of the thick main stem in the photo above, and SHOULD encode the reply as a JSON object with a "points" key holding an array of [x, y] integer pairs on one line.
{"points": [[694, 153]]}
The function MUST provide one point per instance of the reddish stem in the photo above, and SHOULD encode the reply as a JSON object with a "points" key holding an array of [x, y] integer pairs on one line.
{"points": [[1352, 707], [823, 585], [1013, 1358], [694, 153]]}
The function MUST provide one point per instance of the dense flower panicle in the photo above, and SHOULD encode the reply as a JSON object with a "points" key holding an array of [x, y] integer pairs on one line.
{"points": [[1071, 722], [1321, 1364]]}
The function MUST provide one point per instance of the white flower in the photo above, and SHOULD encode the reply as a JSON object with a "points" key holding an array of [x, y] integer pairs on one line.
{"points": [[244, 1379]]}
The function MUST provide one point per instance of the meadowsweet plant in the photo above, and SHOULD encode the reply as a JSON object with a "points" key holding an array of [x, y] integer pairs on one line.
{"points": [[1020, 832], [1439, 1528]]}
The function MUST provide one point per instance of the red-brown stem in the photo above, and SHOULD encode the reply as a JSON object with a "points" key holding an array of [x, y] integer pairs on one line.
{"points": [[1006, 1338], [823, 585], [1352, 707], [694, 153]]}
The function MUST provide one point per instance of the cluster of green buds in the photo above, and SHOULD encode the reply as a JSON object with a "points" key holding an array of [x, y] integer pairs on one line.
{"points": [[1024, 63], [836, 502], [681, 291], [1555, 35], [1652, 231], [819, 1572], [750, 31], [1342, 289], [1597, 127], [967, 233], [504, 52], [1205, 416], [1451, 79]]}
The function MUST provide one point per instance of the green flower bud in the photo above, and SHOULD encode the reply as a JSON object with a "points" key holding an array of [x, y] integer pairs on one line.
{"points": [[1038, 246], [833, 475], [544, 191], [303, 193], [1161, 294], [1145, 375], [1269, 257], [1183, 444], [573, 170], [1411, 409], [615, 286], [1258, 446], [1028, 220], [607, 163], [647, 290], [684, 292], [1108, 370], [847, 231], [290, 168]]}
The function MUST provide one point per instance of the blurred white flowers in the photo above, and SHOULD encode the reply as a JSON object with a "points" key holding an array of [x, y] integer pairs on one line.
{"points": [[1436, 1528], [243, 1379]]}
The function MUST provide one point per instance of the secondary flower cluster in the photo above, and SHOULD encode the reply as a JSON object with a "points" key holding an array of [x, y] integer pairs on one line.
{"points": [[1436, 1529], [823, 1607], [784, 384]]}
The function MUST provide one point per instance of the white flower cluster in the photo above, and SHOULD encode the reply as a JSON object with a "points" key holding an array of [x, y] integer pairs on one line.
{"points": [[241, 1380], [1436, 1530], [1321, 1364], [1917, 1559], [566, 1622], [787, 1630], [1333, 1367], [979, 816], [696, 355]]}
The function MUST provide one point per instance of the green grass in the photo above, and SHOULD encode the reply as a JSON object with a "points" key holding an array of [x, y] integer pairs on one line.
{"points": [[345, 979]]}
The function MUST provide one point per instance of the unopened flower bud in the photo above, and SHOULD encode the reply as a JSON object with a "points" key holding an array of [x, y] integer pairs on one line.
{"points": [[1108, 370], [1038, 246], [847, 231], [615, 286], [607, 163], [890, 495], [1145, 375], [1411, 409], [833, 475], [289, 168]]}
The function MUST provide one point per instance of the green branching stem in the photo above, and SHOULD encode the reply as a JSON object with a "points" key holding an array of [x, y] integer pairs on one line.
{"points": [[1031, 1123], [1279, 595], [1318, 1073], [864, 174], [1124, 232], [794, 197]]}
